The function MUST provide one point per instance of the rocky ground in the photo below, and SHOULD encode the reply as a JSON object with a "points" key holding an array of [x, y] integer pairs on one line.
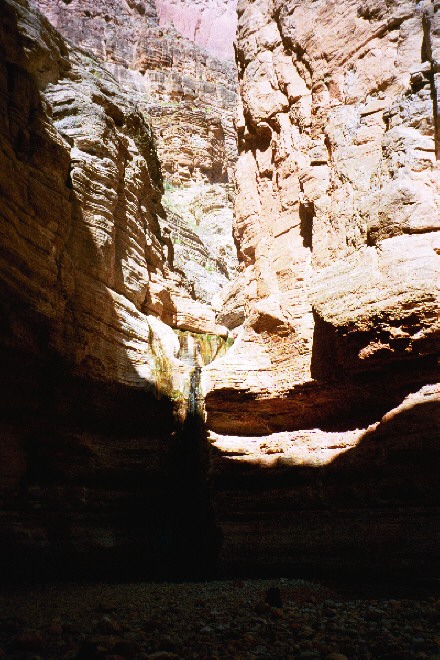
{"points": [[230, 619]]}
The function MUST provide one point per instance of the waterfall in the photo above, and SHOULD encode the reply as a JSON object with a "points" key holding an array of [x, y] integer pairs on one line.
{"points": [[194, 397], [197, 535]]}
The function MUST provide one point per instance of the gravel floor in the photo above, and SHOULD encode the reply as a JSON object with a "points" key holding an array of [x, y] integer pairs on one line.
{"points": [[231, 619]]}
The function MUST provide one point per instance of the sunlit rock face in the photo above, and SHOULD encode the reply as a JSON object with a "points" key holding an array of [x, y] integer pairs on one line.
{"points": [[338, 192], [337, 219], [209, 23], [93, 389], [200, 227], [188, 97]]}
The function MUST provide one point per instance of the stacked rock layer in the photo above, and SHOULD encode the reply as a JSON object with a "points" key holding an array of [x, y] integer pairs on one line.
{"points": [[93, 388], [337, 220], [188, 96], [117, 157]]}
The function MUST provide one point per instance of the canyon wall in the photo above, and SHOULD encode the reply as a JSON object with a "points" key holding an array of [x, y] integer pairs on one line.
{"points": [[188, 96], [119, 283], [210, 23], [95, 319], [324, 415]]}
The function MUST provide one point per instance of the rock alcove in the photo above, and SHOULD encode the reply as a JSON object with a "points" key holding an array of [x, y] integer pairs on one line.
{"points": [[188, 393]]}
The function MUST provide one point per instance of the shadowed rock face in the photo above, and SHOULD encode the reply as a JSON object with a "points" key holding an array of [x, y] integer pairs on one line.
{"points": [[92, 391]]}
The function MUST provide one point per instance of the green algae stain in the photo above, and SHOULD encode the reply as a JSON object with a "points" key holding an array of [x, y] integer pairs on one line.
{"points": [[162, 368], [177, 382], [200, 349]]}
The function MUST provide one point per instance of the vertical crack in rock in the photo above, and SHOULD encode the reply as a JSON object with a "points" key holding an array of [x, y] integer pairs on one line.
{"points": [[431, 52]]}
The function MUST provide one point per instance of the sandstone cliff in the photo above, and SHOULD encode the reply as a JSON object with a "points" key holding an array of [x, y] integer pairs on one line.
{"points": [[323, 416], [337, 220], [92, 383], [337, 208], [210, 23], [188, 97]]}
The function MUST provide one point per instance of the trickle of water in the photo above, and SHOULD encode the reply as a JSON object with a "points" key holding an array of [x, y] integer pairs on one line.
{"points": [[198, 537], [194, 392], [197, 350]]}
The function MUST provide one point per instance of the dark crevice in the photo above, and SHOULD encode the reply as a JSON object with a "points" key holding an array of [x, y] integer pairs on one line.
{"points": [[306, 216], [427, 55], [68, 182], [263, 137]]}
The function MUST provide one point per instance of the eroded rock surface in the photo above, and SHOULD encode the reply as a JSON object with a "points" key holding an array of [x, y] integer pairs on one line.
{"points": [[338, 192], [92, 383], [210, 23], [337, 219], [188, 97]]}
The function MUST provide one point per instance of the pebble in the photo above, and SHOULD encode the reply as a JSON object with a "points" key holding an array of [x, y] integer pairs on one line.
{"points": [[28, 640], [273, 597], [276, 619], [107, 625]]}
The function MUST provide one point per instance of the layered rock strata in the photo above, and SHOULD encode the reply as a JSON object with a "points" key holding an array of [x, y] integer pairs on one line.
{"points": [[337, 227], [188, 97], [323, 416], [200, 227], [337, 209], [93, 392]]}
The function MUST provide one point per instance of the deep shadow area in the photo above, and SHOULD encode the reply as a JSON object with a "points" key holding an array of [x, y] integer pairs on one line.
{"points": [[306, 216], [92, 469], [99, 480], [372, 514]]}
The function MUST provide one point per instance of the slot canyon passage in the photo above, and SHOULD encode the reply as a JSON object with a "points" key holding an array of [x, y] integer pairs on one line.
{"points": [[219, 328]]}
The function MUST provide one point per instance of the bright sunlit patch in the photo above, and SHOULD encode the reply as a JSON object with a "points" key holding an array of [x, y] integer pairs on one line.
{"points": [[311, 447]]}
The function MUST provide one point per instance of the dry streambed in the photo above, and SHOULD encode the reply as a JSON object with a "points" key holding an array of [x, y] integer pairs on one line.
{"points": [[229, 619]]}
